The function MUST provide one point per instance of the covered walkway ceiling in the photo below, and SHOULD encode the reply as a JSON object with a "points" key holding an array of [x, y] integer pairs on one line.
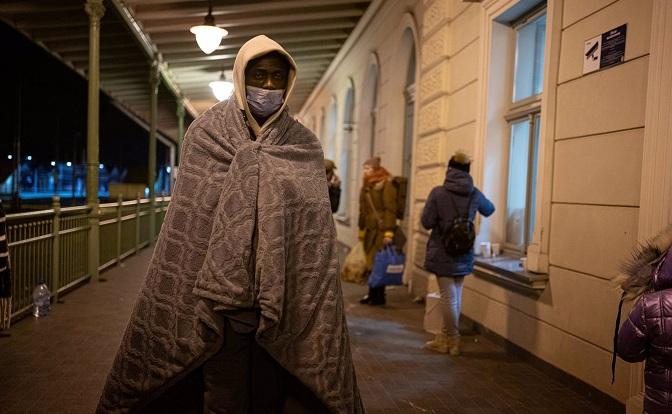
{"points": [[132, 31], [312, 30]]}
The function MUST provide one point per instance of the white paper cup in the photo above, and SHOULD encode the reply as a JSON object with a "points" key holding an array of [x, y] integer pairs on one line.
{"points": [[486, 249]]}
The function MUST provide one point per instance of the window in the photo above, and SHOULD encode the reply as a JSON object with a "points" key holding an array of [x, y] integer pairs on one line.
{"points": [[330, 133], [323, 127], [524, 117], [344, 158]]}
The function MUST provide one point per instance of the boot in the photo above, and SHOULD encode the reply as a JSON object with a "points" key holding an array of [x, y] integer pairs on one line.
{"points": [[377, 296], [368, 298], [439, 344], [454, 346]]}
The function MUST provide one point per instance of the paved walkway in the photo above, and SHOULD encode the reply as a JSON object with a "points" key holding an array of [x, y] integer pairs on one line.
{"points": [[58, 364]]}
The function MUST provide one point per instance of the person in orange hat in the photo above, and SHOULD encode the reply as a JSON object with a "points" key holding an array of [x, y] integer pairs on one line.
{"points": [[377, 218]]}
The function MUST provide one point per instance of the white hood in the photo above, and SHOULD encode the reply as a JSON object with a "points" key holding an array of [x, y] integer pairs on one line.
{"points": [[252, 49]]}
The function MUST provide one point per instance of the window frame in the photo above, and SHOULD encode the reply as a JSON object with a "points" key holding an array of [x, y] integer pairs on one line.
{"points": [[527, 108]]}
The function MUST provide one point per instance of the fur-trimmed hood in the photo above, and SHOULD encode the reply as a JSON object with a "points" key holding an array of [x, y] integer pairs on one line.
{"points": [[650, 268]]}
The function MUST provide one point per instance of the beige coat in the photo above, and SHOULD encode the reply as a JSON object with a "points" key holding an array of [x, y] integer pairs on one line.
{"points": [[377, 214]]}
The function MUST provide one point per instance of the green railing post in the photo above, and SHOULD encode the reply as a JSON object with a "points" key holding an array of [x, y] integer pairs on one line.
{"points": [[137, 224], [119, 208], [180, 128], [95, 9], [154, 81], [56, 247]]}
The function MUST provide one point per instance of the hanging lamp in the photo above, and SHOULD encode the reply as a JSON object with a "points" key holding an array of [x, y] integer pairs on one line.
{"points": [[222, 88], [208, 36]]}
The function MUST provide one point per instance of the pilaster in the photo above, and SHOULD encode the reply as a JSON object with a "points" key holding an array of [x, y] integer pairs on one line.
{"points": [[655, 211]]}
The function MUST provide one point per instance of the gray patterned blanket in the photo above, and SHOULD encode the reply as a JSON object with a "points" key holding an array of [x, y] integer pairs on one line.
{"points": [[249, 225]]}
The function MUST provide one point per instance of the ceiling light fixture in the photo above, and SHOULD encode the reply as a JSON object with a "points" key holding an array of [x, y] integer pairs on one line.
{"points": [[222, 89], [208, 36]]}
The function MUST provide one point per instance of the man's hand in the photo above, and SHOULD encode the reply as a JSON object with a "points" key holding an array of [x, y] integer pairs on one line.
{"points": [[335, 181], [388, 238]]}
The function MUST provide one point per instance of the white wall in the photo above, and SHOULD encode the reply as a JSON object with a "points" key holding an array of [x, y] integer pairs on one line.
{"points": [[383, 45], [592, 137], [592, 141]]}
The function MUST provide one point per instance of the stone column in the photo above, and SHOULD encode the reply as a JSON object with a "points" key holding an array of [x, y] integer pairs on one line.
{"points": [[151, 164], [655, 207], [180, 129], [95, 10]]}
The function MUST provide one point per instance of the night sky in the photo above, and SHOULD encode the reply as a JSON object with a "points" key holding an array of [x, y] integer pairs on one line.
{"points": [[44, 103]]}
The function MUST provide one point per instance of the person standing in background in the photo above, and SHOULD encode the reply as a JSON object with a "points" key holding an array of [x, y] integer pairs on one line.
{"points": [[377, 218], [334, 184], [5, 277], [452, 207]]}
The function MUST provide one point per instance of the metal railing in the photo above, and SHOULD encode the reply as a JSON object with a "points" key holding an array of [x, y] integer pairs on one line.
{"points": [[52, 245]]}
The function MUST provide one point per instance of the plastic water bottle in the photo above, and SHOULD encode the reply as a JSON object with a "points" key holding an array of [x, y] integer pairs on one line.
{"points": [[41, 300]]}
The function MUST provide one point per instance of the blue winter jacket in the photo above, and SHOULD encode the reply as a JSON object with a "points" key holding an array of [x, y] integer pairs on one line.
{"points": [[438, 215]]}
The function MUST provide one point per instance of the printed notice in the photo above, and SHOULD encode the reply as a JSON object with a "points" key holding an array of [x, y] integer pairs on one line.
{"points": [[605, 50], [591, 57]]}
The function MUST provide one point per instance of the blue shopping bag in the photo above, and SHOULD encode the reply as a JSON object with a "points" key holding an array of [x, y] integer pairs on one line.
{"points": [[388, 268]]}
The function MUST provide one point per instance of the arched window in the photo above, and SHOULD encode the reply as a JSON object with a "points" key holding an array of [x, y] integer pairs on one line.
{"points": [[369, 109], [345, 156], [331, 132], [321, 133], [409, 121]]}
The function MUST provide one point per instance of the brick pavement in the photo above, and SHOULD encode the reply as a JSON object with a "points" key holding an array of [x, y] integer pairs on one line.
{"points": [[58, 364]]}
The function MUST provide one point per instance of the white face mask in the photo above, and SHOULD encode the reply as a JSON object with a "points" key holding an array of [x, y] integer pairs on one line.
{"points": [[264, 102]]}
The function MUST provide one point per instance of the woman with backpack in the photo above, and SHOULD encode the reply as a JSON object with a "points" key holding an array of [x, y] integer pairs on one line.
{"points": [[647, 333], [377, 218], [449, 212]]}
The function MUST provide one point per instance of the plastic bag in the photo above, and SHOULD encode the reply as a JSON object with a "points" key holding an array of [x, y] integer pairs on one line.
{"points": [[388, 268], [354, 267]]}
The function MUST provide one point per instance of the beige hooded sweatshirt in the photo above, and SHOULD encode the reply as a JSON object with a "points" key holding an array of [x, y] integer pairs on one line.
{"points": [[257, 47]]}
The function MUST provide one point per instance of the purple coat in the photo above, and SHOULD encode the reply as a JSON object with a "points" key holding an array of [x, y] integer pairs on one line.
{"points": [[647, 335]]}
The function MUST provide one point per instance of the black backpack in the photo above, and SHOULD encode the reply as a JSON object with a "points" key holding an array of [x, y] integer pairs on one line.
{"points": [[401, 185], [459, 238]]}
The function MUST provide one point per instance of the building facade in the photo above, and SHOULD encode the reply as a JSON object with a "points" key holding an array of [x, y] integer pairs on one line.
{"points": [[573, 149]]}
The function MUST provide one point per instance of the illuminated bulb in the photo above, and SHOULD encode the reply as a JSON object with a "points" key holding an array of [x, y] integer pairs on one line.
{"points": [[222, 89], [208, 36]]}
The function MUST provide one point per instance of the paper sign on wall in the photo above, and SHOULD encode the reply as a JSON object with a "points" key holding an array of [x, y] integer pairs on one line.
{"points": [[607, 49]]}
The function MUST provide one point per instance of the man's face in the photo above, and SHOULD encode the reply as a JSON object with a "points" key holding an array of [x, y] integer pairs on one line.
{"points": [[368, 170], [267, 72]]}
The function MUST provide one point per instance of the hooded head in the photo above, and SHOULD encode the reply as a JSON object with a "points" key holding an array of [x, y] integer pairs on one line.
{"points": [[374, 172], [260, 97], [460, 161], [458, 179], [650, 268]]}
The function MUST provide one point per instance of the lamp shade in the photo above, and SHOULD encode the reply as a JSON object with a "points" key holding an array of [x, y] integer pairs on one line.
{"points": [[221, 89], [208, 37]]}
